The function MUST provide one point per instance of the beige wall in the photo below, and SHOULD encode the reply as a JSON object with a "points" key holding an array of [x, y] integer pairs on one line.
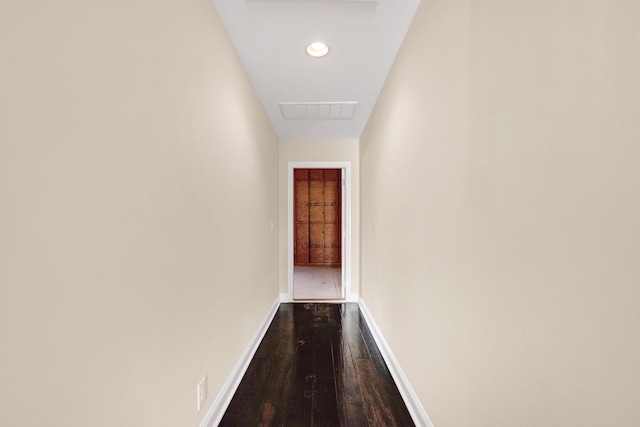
{"points": [[500, 206], [137, 183], [320, 151]]}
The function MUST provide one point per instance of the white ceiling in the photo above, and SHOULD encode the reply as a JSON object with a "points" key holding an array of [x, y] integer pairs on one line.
{"points": [[271, 37]]}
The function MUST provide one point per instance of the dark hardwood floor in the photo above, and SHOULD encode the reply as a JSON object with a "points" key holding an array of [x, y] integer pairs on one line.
{"points": [[318, 365]]}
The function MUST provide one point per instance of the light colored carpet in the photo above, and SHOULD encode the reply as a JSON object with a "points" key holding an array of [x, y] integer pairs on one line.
{"points": [[311, 283]]}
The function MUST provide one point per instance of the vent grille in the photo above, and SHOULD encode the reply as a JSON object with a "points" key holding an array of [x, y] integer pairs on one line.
{"points": [[318, 110]]}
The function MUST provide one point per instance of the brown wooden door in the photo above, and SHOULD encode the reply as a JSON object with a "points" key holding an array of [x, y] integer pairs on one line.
{"points": [[318, 215]]}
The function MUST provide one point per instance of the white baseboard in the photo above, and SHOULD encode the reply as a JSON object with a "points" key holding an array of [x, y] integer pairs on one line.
{"points": [[219, 406], [414, 406]]}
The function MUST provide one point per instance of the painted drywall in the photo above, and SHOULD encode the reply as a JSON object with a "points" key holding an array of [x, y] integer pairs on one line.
{"points": [[500, 204], [137, 184], [331, 150]]}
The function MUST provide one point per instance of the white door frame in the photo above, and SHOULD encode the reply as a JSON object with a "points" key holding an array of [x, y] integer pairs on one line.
{"points": [[346, 224]]}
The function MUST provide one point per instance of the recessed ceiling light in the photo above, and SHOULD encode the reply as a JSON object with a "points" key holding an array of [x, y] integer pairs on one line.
{"points": [[317, 49]]}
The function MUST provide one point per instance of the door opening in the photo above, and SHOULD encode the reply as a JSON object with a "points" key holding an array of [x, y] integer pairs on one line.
{"points": [[317, 234], [318, 229]]}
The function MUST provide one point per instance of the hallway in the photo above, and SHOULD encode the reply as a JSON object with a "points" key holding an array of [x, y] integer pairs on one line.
{"points": [[318, 365], [490, 196]]}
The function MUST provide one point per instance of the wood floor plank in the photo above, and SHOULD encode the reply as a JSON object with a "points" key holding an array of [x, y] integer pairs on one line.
{"points": [[347, 384], [373, 350], [304, 378], [317, 366], [381, 406], [267, 381], [325, 404]]}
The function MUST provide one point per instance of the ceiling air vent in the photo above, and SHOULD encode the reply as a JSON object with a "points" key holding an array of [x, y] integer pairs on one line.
{"points": [[318, 110]]}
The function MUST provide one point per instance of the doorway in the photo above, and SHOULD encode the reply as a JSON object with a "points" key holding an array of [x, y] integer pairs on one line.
{"points": [[318, 230]]}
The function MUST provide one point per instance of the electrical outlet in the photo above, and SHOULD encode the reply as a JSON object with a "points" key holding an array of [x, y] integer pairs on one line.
{"points": [[203, 391]]}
